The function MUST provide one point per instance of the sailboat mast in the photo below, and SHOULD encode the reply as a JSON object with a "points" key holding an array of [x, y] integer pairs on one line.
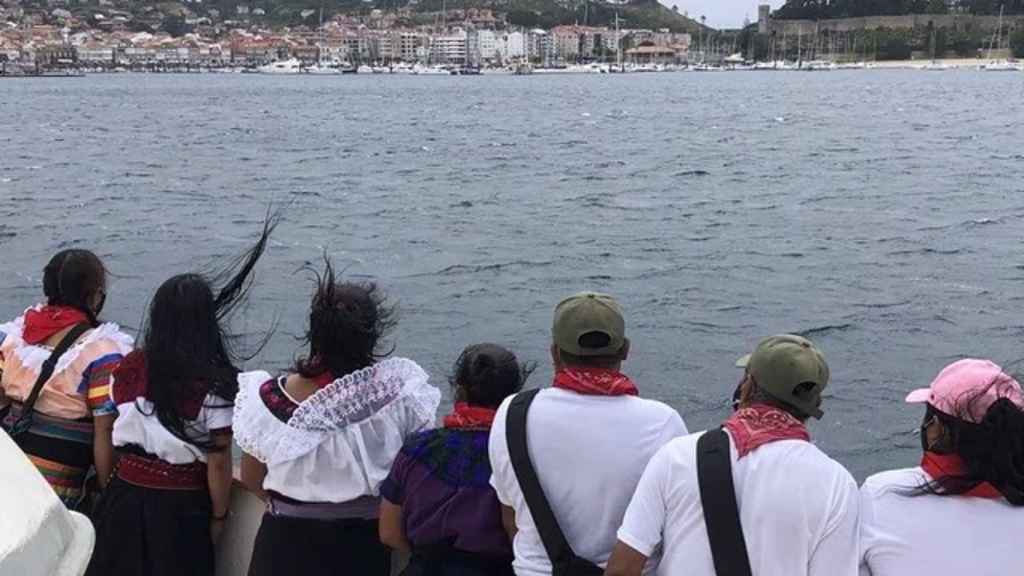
{"points": [[618, 42]]}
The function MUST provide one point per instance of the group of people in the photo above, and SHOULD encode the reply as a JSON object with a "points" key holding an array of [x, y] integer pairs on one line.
{"points": [[582, 477]]}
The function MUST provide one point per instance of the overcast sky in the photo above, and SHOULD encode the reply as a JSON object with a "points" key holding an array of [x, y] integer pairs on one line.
{"points": [[722, 13]]}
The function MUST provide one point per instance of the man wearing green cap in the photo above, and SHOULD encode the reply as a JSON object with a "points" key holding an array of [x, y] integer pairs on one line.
{"points": [[589, 437], [797, 507]]}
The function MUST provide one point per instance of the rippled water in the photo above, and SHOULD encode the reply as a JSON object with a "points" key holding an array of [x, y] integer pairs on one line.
{"points": [[879, 213]]}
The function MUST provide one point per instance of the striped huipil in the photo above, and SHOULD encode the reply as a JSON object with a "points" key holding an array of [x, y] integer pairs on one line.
{"points": [[60, 441]]}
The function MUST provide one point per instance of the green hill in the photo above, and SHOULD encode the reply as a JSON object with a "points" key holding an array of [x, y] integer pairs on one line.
{"points": [[529, 13]]}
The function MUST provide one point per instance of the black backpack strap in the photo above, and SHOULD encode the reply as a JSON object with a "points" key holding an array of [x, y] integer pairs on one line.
{"points": [[721, 513], [27, 407], [547, 525]]}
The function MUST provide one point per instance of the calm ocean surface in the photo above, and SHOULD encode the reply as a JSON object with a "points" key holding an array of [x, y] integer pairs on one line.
{"points": [[879, 213]]}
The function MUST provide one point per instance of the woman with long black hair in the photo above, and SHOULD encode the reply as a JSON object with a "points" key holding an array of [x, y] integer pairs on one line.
{"points": [[167, 502], [962, 511], [318, 442], [65, 427]]}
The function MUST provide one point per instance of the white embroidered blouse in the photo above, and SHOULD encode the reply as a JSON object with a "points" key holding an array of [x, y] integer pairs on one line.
{"points": [[339, 443]]}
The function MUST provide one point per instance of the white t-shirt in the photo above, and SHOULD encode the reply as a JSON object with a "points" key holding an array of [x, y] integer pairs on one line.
{"points": [[797, 506], [936, 535], [589, 453]]}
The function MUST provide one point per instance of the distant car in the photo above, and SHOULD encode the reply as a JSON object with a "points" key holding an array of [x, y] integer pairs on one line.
{"points": [[39, 536]]}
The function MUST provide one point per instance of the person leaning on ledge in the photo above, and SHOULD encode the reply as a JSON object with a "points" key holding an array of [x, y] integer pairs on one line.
{"points": [[798, 507], [589, 437]]}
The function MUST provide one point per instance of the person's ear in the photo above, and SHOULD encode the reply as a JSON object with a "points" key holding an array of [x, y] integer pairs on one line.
{"points": [[556, 357], [747, 389]]}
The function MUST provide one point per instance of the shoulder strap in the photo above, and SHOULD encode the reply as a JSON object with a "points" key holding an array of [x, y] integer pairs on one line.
{"points": [[721, 513], [551, 533], [48, 367]]}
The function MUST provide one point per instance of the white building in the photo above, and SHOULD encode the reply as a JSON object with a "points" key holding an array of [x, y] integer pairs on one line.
{"points": [[90, 53], [487, 42], [511, 45], [411, 46], [450, 49]]}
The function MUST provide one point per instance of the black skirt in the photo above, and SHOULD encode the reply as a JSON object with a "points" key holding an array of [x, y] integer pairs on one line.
{"points": [[447, 561], [288, 546], [151, 532]]}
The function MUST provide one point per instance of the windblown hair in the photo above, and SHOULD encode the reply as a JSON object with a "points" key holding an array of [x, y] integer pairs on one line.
{"points": [[992, 450], [485, 374], [347, 321], [73, 278], [187, 345]]}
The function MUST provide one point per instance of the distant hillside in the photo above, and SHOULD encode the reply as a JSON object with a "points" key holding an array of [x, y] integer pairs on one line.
{"points": [[531, 13], [823, 9]]}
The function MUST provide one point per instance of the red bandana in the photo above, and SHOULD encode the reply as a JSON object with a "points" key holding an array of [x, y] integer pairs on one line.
{"points": [[42, 324], [595, 382], [939, 465], [760, 424], [467, 417]]}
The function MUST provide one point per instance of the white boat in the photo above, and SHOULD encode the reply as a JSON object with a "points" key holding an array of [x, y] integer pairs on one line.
{"points": [[380, 70], [586, 69], [402, 68], [1002, 66], [289, 66], [324, 69], [38, 535], [818, 65], [364, 69], [435, 70]]}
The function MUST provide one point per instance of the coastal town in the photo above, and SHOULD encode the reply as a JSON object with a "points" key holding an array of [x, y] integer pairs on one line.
{"points": [[379, 41], [69, 37]]}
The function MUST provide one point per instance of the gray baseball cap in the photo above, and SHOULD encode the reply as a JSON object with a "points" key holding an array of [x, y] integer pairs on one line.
{"points": [[784, 366], [587, 313]]}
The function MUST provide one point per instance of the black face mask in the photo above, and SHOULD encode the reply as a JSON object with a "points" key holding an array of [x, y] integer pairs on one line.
{"points": [[103, 302], [737, 394], [929, 419]]}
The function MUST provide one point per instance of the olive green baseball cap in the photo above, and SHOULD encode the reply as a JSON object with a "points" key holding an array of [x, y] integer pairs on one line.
{"points": [[587, 313], [790, 369]]}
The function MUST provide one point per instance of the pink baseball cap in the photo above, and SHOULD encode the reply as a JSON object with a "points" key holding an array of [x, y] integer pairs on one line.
{"points": [[968, 388]]}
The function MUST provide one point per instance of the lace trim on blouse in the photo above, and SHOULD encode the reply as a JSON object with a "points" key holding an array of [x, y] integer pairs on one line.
{"points": [[383, 393], [33, 356]]}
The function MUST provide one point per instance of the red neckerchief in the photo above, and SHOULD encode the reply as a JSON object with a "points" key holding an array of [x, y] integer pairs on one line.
{"points": [[595, 382], [939, 465], [42, 324], [468, 417], [760, 424]]}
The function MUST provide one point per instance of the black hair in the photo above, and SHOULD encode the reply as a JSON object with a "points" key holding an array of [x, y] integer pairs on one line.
{"points": [[188, 349], [592, 340], [73, 278], [992, 450], [485, 374], [347, 321]]}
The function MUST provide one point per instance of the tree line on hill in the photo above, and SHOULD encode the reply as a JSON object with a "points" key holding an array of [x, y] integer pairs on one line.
{"points": [[824, 9], [878, 44]]}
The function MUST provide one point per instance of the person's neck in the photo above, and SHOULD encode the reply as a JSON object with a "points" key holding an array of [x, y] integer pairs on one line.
{"points": [[617, 367]]}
